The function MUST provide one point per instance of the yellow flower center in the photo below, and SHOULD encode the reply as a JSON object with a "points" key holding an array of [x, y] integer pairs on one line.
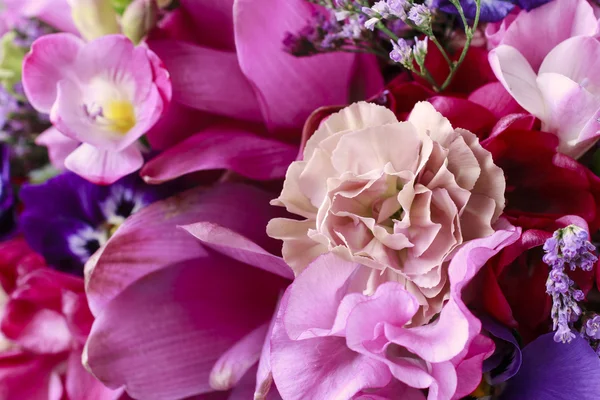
{"points": [[120, 116]]}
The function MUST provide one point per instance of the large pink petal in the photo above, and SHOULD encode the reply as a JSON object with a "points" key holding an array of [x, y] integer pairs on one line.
{"points": [[238, 247], [516, 75], [56, 13], [50, 60], [207, 79], [222, 147], [562, 20], [213, 22], [321, 367], [59, 146], [104, 167], [151, 239], [162, 335], [289, 87], [496, 99], [81, 385]]}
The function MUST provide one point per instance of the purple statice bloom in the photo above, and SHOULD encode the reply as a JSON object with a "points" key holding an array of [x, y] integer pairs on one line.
{"points": [[402, 53], [421, 16], [66, 219], [7, 213], [553, 371], [592, 327], [570, 247]]}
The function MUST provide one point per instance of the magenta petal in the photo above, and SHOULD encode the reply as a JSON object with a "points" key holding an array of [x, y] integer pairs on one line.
{"points": [[59, 146], [151, 239], [29, 376], [207, 79], [222, 147], [81, 385], [213, 22], [104, 167], [290, 87], [238, 247], [237, 360], [496, 99], [162, 335], [49, 61]]}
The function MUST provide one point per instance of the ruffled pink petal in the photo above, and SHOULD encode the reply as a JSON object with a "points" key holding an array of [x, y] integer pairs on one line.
{"points": [[51, 59], [59, 146], [562, 20], [161, 336], [289, 88], [104, 167], [151, 239], [222, 147], [207, 79]]}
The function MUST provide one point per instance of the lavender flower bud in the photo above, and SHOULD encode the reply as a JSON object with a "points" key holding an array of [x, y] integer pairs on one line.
{"points": [[421, 16], [402, 53]]}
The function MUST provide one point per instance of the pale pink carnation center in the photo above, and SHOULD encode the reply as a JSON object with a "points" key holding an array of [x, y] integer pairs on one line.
{"points": [[398, 197]]}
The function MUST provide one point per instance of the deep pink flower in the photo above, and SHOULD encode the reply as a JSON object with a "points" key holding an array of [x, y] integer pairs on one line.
{"points": [[184, 294], [45, 321], [332, 341], [237, 95], [105, 94]]}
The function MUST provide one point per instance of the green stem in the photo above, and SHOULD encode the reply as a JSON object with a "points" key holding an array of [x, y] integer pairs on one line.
{"points": [[381, 26]]}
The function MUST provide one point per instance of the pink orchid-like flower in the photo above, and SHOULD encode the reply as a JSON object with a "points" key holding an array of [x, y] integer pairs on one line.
{"points": [[330, 341], [105, 94], [184, 294], [399, 197], [552, 69], [45, 322]]}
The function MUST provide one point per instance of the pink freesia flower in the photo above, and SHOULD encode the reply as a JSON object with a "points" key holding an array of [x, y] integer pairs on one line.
{"points": [[105, 94], [233, 80], [399, 197], [184, 294], [552, 69], [330, 341], [45, 321]]}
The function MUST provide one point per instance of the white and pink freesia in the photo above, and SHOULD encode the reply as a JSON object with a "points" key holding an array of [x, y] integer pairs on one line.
{"points": [[553, 70], [104, 94], [330, 341]]}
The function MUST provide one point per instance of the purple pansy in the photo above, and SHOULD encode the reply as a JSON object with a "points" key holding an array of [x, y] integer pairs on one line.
{"points": [[67, 218], [555, 371], [7, 215]]}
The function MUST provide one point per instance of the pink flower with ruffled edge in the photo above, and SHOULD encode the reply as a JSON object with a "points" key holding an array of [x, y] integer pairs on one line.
{"points": [[330, 341], [551, 69], [399, 197], [105, 94], [44, 324]]}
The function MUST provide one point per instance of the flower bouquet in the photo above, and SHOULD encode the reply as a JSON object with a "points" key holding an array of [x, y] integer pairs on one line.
{"points": [[299, 199]]}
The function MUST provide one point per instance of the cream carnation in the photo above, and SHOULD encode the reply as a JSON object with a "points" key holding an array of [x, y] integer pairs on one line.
{"points": [[398, 197]]}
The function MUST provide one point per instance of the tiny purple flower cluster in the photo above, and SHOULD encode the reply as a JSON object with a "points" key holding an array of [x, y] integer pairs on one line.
{"points": [[567, 247]]}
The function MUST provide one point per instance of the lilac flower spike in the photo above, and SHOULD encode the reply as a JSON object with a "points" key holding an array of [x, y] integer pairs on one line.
{"points": [[592, 327], [567, 247]]}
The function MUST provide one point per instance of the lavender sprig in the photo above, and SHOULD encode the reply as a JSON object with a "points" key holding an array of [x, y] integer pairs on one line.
{"points": [[568, 247]]}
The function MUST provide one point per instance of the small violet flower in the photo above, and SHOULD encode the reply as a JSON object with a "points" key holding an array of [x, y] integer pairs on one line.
{"points": [[104, 94], [384, 9], [402, 53], [66, 219], [592, 327], [567, 247], [421, 16]]}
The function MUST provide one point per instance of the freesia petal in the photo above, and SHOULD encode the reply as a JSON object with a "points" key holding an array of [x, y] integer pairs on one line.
{"points": [[49, 61], [289, 88], [207, 79], [514, 72], [104, 167], [59, 146], [555, 371], [496, 99], [151, 239], [562, 20], [238, 247], [236, 361], [222, 147], [162, 335], [80, 384]]}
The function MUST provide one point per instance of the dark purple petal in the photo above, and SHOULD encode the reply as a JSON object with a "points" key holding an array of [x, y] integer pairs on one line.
{"points": [[556, 371], [506, 360], [491, 10], [7, 214]]}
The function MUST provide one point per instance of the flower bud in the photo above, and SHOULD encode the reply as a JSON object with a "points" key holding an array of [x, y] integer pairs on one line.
{"points": [[94, 18], [139, 18]]}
